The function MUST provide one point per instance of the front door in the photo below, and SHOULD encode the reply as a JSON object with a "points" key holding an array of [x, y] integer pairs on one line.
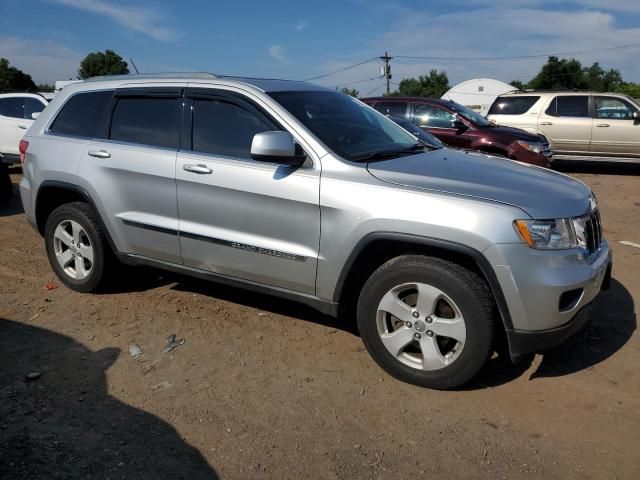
{"points": [[615, 130], [240, 217]]}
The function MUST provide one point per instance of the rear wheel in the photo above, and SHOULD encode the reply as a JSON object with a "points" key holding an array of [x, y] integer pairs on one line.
{"points": [[77, 248], [427, 321]]}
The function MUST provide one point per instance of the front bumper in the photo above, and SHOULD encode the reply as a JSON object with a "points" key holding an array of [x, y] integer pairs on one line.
{"points": [[547, 292]]}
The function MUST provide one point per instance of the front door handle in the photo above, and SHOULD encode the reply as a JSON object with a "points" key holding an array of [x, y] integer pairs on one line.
{"points": [[546, 123], [99, 153], [23, 127], [603, 125], [201, 169]]}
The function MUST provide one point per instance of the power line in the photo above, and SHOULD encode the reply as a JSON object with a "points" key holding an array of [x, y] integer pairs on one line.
{"points": [[341, 70], [357, 81], [519, 57]]}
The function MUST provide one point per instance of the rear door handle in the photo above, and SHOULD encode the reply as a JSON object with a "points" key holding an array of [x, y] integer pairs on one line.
{"points": [[201, 169], [546, 123], [99, 153], [23, 127], [603, 125]]}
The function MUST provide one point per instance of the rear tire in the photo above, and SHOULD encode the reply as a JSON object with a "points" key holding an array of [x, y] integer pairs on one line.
{"points": [[77, 247], [441, 331], [6, 187]]}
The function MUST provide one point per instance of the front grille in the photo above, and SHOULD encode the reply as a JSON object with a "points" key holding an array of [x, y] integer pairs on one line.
{"points": [[593, 232]]}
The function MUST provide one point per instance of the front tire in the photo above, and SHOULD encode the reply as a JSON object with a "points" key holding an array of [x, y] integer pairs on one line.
{"points": [[427, 321], [77, 247]]}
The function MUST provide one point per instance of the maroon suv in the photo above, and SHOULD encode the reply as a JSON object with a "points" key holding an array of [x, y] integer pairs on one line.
{"points": [[458, 126]]}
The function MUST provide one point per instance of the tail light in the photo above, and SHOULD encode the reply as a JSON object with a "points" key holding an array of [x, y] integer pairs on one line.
{"points": [[23, 150]]}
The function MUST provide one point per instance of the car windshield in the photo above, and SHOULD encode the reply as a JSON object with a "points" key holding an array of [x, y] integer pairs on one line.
{"points": [[469, 114], [347, 126]]}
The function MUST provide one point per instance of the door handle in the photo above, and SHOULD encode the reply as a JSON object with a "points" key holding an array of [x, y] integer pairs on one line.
{"points": [[99, 153], [602, 125], [23, 127], [546, 123], [201, 169]]}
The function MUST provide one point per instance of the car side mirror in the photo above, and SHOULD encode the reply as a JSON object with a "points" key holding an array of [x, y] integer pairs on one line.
{"points": [[277, 147], [459, 125], [35, 115], [636, 116]]}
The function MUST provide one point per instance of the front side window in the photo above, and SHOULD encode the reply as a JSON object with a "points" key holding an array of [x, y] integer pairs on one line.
{"points": [[513, 105], [82, 115], [569, 106], [613, 108], [12, 107], [227, 128], [397, 109], [432, 116], [31, 106], [345, 125], [147, 120]]}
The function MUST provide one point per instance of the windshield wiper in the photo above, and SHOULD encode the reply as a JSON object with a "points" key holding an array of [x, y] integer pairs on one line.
{"points": [[383, 154]]}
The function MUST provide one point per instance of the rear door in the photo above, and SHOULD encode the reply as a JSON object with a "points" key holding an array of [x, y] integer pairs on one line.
{"points": [[130, 170], [615, 130], [439, 122], [567, 123], [243, 218]]}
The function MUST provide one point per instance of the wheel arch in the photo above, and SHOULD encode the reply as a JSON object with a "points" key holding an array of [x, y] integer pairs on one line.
{"points": [[376, 248]]}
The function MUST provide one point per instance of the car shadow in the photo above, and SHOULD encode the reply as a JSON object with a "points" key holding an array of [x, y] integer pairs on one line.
{"points": [[57, 419], [604, 168], [613, 321], [14, 207]]}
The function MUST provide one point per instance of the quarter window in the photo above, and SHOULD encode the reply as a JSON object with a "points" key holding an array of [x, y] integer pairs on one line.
{"points": [[396, 109], [82, 115], [613, 108], [147, 120], [431, 116], [223, 127], [569, 106]]}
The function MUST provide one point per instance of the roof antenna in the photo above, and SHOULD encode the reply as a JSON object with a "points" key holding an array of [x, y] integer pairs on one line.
{"points": [[134, 65]]}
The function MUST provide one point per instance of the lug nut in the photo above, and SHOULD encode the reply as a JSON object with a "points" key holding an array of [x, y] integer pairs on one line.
{"points": [[429, 333], [408, 324], [429, 320], [415, 314], [417, 336]]}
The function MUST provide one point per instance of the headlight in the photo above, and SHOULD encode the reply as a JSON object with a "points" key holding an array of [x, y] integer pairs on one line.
{"points": [[535, 147], [547, 234]]}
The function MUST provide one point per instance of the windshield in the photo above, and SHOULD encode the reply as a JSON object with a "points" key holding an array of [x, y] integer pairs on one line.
{"points": [[345, 125], [469, 114]]}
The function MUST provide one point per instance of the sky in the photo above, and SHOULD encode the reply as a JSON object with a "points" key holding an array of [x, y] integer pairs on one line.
{"points": [[303, 39]]}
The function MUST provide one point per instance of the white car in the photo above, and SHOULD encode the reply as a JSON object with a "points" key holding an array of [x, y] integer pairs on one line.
{"points": [[16, 116]]}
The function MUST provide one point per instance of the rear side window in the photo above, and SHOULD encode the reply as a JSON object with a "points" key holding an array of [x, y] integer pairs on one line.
{"points": [[147, 120], [569, 106], [226, 128], [512, 105], [82, 115], [397, 109]]}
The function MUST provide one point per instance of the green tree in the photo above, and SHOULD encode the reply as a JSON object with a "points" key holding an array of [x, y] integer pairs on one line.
{"points": [[435, 84], [102, 63], [629, 88], [518, 84], [596, 78], [349, 91], [14, 80], [46, 87], [559, 74]]}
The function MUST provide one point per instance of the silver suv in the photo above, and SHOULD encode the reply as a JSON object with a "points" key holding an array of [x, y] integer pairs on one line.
{"points": [[308, 194]]}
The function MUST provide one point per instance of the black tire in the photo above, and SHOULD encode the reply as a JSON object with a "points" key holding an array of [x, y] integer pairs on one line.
{"points": [[6, 187], [104, 262], [469, 292]]}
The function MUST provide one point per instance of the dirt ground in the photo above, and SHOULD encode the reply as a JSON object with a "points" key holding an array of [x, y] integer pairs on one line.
{"points": [[265, 388]]}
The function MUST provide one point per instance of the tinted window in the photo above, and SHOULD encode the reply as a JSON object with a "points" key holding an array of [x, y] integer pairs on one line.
{"points": [[432, 116], [226, 128], [397, 109], [614, 108], [569, 106], [31, 105], [12, 107], [147, 120], [82, 114], [512, 105]]}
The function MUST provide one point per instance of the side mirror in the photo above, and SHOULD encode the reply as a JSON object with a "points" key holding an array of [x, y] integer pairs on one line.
{"points": [[459, 125], [35, 115], [636, 115], [277, 147]]}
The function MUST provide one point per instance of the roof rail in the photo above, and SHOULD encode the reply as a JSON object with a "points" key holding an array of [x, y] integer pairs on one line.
{"points": [[151, 76]]}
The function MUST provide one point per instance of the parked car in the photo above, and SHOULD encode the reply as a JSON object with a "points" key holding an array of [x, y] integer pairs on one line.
{"points": [[418, 132], [460, 127], [16, 116], [305, 193], [579, 125]]}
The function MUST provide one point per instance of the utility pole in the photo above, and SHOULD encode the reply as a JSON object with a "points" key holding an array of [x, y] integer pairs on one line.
{"points": [[386, 69]]}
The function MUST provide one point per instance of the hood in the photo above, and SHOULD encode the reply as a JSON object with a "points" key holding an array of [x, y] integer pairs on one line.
{"points": [[514, 133], [541, 193]]}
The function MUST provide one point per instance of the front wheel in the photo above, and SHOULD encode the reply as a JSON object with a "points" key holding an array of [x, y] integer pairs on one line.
{"points": [[427, 321]]}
